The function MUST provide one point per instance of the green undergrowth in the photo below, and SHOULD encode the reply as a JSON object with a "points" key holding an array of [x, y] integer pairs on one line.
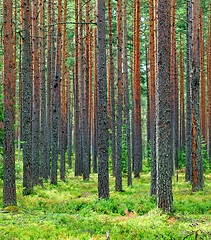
{"points": [[71, 210]]}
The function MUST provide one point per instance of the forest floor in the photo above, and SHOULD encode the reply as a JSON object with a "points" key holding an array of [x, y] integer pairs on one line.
{"points": [[71, 210]]}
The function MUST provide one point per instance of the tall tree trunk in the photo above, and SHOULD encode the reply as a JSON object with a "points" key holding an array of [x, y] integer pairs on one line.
{"points": [[76, 100], [86, 103], [81, 75], [43, 156], [176, 109], [182, 110], [198, 181], [55, 99], [49, 83], [113, 135], [127, 109], [152, 109], [90, 99], [103, 175], [69, 112], [137, 88], [36, 95], [173, 49], [164, 178], [189, 146], [27, 100], [95, 122], [63, 98], [118, 167], [9, 189], [203, 88]]}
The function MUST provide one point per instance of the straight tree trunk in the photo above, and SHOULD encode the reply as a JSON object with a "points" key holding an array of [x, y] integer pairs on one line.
{"points": [[95, 122], [118, 167], [36, 95], [176, 111], [153, 189], [203, 88], [81, 75], [189, 147], [198, 181], [137, 91], [127, 109], [103, 175], [172, 107], [182, 107], [49, 83], [69, 112], [113, 134], [55, 99], [9, 188], [90, 99], [27, 100], [164, 178], [63, 98], [43, 149], [76, 100], [86, 103]]}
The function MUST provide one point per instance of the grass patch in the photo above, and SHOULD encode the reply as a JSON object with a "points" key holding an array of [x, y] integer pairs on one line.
{"points": [[71, 210]]}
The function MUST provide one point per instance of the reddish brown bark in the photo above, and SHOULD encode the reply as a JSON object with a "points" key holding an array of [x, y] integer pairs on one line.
{"points": [[198, 182], [9, 189], [182, 107], [152, 95], [36, 94], [137, 98], [95, 122]]}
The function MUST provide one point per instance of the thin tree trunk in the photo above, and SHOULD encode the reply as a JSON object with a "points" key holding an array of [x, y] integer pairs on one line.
{"points": [[43, 149], [118, 167], [182, 110], [137, 89], [81, 75], [36, 95], [49, 83], [188, 92], [173, 49], [86, 103], [76, 95], [113, 137], [27, 100], [153, 188], [95, 122], [9, 189], [63, 100], [127, 109]]}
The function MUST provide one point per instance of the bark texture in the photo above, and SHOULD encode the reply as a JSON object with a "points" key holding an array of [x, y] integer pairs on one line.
{"points": [[164, 178], [27, 100], [9, 189], [103, 175]]}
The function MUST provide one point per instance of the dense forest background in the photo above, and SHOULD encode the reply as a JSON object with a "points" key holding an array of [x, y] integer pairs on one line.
{"points": [[114, 94]]}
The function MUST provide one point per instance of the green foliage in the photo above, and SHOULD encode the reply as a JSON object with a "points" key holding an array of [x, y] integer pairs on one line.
{"points": [[71, 210]]}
